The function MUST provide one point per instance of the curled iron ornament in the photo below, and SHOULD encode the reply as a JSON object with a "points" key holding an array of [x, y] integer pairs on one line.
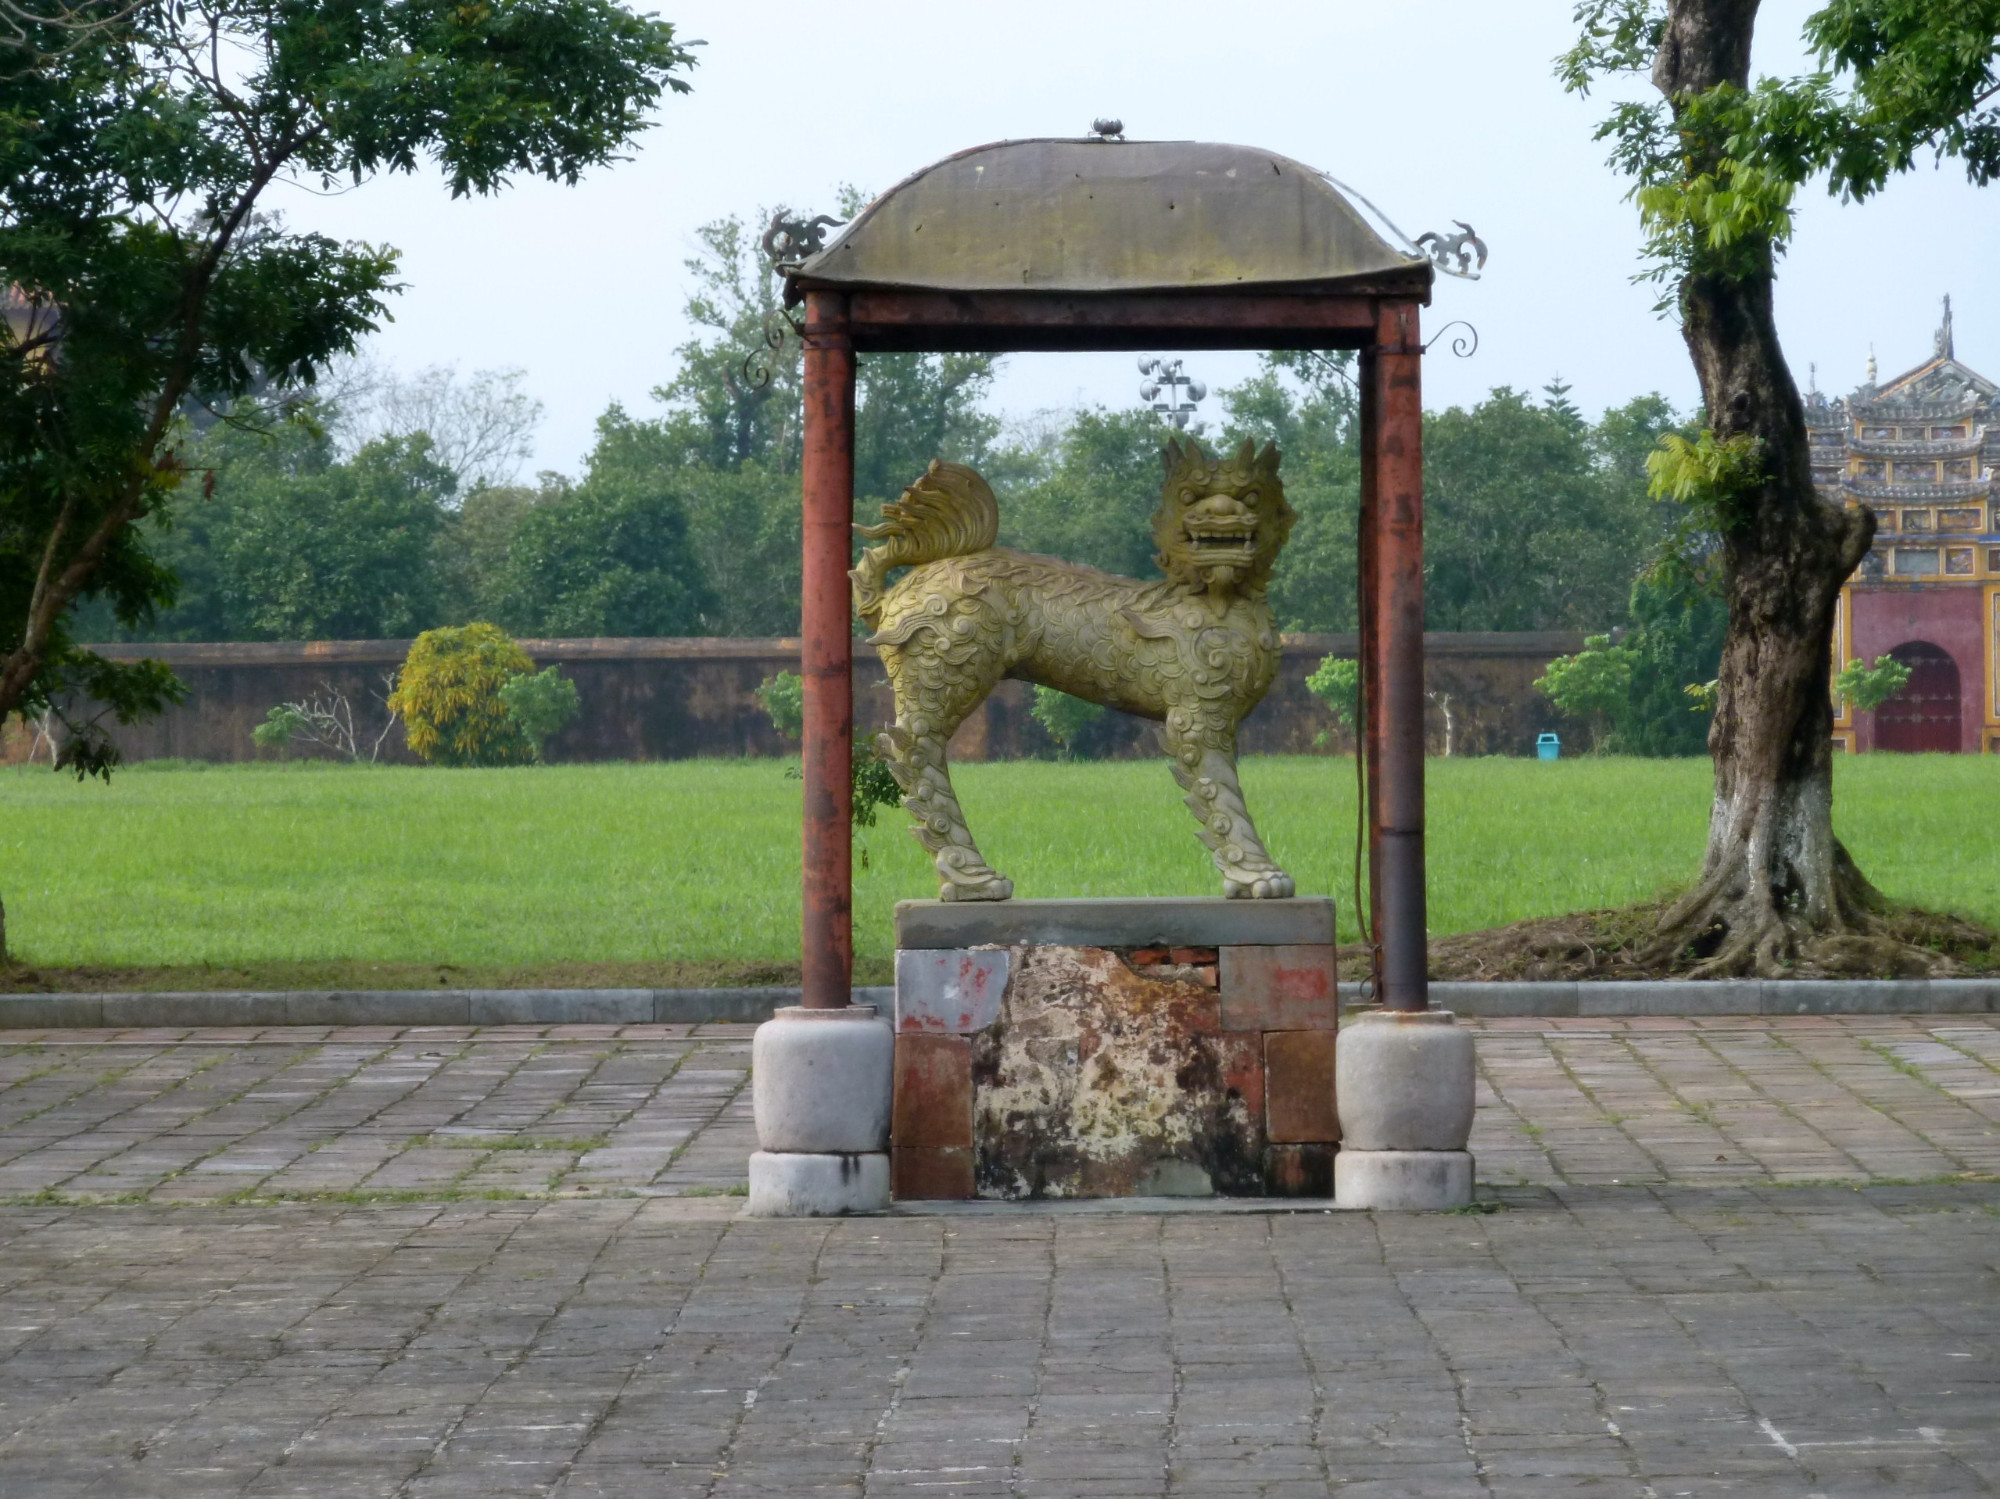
{"points": [[788, 240], [760, 364], [1465, 345], [1462, 254]]}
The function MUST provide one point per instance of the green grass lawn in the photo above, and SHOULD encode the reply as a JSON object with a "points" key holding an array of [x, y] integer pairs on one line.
{"points": [[665, 868]]}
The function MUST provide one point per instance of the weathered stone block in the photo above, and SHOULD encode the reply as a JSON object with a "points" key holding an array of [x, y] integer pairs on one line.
{"points": [[787, 1184], [953, 991], [1279, 988], [1299, 1170], [1298, 1088], [919, 1174], [933, 1105], [1096, 1081]]}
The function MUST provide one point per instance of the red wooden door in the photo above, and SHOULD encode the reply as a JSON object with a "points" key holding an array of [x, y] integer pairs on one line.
{"points": [[1923, 717]]}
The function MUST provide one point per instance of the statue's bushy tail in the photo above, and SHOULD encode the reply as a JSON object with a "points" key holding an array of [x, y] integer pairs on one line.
{"points": [[947, 513]]}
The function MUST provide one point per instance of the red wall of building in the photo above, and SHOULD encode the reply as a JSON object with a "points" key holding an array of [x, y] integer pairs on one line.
{"points": [[1949, 618]]}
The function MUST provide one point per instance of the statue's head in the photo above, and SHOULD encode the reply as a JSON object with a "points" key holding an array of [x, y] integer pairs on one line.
{"points": [[1221, 522]]}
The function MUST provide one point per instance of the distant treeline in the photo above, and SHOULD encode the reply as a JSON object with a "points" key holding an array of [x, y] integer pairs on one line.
{"points": [[383, 507]]}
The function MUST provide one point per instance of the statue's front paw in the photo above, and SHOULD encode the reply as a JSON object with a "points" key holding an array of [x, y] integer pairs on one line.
{"points": [[1274, 885], [997, 888]]}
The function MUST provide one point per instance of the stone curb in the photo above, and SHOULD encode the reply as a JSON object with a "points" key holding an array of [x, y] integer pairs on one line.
{"points": [[1980, 996], [407, 1007], [1610, 1000]]}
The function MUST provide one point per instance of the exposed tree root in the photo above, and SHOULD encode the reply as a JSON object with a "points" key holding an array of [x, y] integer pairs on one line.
{"points": [[1625, 942]]}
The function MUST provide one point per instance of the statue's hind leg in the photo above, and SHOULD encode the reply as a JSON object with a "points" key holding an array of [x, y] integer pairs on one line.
{"points": [[1202, 756], [933, 697]]}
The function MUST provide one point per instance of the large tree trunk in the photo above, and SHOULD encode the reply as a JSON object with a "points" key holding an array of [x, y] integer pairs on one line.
{"points": [[1778, 894]]}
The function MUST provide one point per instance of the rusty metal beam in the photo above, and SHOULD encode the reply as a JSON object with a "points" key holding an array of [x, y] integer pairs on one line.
{"points": [[1394, 545], [889, 320], [827, 652]]}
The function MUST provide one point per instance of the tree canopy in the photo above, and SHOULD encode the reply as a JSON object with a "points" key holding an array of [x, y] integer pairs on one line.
{"points": [[145, 279]]}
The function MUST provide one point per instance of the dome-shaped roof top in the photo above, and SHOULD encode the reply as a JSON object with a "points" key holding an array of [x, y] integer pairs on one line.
{"points": [[1109, 216]]}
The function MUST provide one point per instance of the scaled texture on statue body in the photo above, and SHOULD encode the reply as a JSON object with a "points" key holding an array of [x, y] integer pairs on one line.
{"points": [[1195, 650]]}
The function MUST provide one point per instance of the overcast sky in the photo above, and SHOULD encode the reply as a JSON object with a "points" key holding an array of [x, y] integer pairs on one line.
{"points": [[1435, 109]]}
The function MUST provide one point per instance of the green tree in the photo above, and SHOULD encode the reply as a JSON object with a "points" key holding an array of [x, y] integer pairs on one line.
{"points": [[1594, 685], [1087, 494], [1716, 164], [137, 146], [1869, 687], [609, 557], [1676, 643], [1063, 718], [1527, 526], [291, 544], [1305, 403]]}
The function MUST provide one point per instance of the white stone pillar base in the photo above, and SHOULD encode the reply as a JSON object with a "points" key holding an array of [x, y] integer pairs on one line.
{"points": [[821, 1087], [787, 1184], [1402, 1180]]}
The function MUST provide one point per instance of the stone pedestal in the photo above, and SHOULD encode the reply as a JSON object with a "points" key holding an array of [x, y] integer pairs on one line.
{"points": [[821, 1083], [1109, 1048], [1405, 1092]]}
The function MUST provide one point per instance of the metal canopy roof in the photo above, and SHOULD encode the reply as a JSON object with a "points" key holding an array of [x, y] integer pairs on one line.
{"points": [[1107, 217]]}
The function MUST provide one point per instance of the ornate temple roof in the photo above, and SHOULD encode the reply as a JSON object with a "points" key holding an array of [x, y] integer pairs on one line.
{"points": [[1097, 216]]}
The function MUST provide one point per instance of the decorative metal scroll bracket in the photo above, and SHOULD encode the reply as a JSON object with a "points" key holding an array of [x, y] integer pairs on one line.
{"points": [[1462, 254], [789, 241], [761, 363], [1464, 346]]}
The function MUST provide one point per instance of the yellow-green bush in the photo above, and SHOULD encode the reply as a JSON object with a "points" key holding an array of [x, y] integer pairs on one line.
{"points": [[449, 696]]}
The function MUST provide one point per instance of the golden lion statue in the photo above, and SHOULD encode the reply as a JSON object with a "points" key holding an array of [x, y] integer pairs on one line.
{"points": [[1195, 650]]}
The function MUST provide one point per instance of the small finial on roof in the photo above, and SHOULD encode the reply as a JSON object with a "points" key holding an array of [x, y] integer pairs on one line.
{"points": [[1871, 364], [1107, 129], [1942, 347]]}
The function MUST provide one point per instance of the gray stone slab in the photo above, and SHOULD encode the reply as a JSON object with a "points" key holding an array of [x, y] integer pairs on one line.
{"points": [[20, 1012], [1550, 997], [560, 1006], [1846, 996], [1670, 997], [949, 990], [1181, 921], [378, 1007], [1963, 996], [746, 1006], [250, 1007]]}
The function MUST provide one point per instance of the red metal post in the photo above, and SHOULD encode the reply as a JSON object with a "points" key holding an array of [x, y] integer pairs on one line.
{"points": [[828, 654], [1394, 632], [1369, 745]]}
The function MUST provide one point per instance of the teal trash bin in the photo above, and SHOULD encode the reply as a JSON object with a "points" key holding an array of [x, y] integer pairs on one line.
{"points": [[1548, 747]]}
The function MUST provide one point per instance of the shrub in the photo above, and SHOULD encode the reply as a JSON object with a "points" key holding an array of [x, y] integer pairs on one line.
{"points": [[541, 706], [1336, 681], [1869, 687], [449, 696], [784, 698], [1064, 717], [1594, 685]]}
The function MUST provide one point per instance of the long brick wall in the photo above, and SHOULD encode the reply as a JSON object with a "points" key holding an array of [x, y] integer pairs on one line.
{"points": [[659, 699]]}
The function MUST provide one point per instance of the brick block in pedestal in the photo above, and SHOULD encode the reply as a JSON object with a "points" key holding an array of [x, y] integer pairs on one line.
{"points": [[917, 1174], [1279, 988], [1298, 1087], [933, 1100], [1298, 1170]]}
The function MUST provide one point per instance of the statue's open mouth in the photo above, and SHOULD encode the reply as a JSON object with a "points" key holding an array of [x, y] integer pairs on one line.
{"points": [[1222, 538]]}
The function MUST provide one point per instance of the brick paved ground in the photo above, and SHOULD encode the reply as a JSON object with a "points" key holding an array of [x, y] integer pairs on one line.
{"points": [[197, 1295]]}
